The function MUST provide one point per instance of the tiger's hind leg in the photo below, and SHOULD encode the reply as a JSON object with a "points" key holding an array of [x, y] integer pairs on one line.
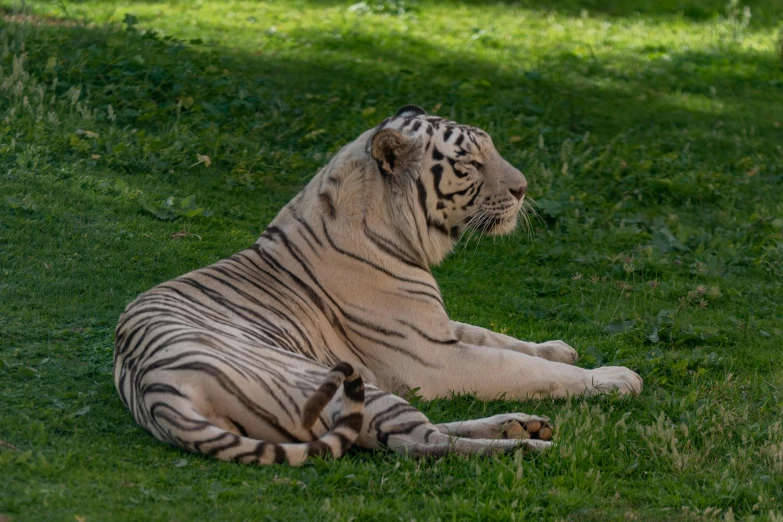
{"points": [[228, 412], [438, 444], [503, 426], [393, 423]]}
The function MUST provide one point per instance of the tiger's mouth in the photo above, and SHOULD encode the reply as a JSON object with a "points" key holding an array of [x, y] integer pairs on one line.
{"points": [[502, 225], [493, 223]]}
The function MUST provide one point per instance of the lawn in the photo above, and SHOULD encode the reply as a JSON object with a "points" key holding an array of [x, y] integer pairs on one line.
{"points": [[140, 140]]}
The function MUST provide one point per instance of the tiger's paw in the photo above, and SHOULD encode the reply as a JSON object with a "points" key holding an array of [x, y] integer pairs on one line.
{"points": [[557, 351], [612, 378], [523, 426]]}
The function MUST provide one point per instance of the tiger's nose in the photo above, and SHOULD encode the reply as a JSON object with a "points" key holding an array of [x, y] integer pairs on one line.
{"points": [[518, 192]]}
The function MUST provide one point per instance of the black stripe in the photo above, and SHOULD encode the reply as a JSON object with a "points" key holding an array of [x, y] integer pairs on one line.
{"points": [[257, 318], [403, 429], [326, 199], [232, 389], [391, 248], [239, 427], [431, 296], [315, 298], [235, 441], [154, 413], [318, 448], [345, 442], [427, 337], [327, 390], [217, 438], [394, 348], [393, 411], [422, 197], [280, 457], [353, 421], [437, 173], [307, 227], [343, 367], [159, 387], [478, 191], [257, 452], [437, 225], [367, 262], [354, 390], [375, 394]]}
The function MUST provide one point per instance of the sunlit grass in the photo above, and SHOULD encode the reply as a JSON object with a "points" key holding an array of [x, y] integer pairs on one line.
{"points": [[650, 133]]}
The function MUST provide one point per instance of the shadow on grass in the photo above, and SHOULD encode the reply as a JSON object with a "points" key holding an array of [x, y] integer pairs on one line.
{"points": [[764, 13], [345, 84]]}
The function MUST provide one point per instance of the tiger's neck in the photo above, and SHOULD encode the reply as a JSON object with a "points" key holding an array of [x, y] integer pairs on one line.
{"points": [[351, 204]]}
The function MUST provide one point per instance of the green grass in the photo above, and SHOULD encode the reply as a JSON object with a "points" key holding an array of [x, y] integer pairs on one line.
{"points": [[650, 133]]}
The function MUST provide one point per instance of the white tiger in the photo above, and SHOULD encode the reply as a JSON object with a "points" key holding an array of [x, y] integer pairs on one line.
{"points": [[233, 360]]}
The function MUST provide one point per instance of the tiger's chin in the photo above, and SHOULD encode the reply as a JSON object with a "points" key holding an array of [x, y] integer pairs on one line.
{"points": [[502, 226], [499, 224]]}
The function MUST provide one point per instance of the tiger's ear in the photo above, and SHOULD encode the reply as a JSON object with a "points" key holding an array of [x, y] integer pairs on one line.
{"points": [[410, 111], [394, 152]]}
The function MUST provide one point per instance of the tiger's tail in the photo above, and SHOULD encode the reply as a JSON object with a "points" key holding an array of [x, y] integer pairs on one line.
{"points": [[224, 445]]}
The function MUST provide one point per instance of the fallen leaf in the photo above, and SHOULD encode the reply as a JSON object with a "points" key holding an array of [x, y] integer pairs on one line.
{"points": [[184, 233], [313, 134], [289, 481], [88, 133], [203, 158]]}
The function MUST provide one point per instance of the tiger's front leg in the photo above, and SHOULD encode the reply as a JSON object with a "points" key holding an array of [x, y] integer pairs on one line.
{"points": [[491, 373], [549, 350]]}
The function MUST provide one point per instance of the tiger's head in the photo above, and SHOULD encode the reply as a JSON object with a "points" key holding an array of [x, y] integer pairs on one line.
{"points": [[460, 181], [425, 179]]}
